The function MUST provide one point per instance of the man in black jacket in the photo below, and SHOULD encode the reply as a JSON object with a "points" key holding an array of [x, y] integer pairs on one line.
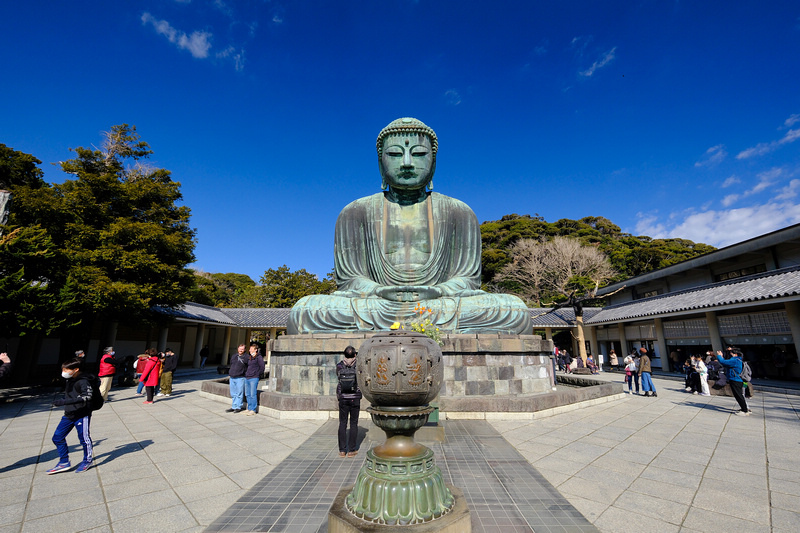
{"points": [[236, 379], [168, 366], [77, 404]]}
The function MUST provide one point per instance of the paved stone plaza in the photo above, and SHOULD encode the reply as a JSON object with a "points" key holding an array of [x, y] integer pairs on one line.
{"points": [[674, 463]]}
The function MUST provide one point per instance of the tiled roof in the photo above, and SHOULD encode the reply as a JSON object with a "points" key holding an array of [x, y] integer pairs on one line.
{"points": [[563, 317], [198, 312], [773, 284], [259, 318]]}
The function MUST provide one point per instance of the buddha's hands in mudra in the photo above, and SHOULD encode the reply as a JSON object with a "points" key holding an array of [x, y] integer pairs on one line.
{"points": [[410, 293]]}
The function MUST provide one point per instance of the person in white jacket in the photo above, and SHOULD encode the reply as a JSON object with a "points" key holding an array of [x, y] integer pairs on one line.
{"points": [[701, 368]]}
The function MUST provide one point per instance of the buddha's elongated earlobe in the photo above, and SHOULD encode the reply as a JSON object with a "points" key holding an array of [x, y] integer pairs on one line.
{"points": [[429, 186], [383, 184]]}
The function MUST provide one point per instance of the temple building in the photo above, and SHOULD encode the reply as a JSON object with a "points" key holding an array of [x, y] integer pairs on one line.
{"points": [[745, 295]]}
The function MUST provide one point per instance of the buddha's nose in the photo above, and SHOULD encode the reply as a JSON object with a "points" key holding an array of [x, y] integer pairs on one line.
{"points": [[407, 159]]}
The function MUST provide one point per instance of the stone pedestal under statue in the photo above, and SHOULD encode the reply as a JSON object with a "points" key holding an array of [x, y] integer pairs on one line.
{"points": [[479, 370]]}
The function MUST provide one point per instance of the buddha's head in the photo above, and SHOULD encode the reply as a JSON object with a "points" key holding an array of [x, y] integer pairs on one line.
{"points": [[407, 154]]}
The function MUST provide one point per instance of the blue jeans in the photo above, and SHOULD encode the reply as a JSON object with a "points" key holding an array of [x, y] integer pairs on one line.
{"points": [[237, 392], [140, 387], [633, 378], [647, 383], [251, 391], [60, 438]]}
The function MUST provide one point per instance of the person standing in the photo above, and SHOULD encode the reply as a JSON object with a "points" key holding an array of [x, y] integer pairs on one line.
{"points": [[141, 363], [613, 360], [108, 367], [702, 369], [733, 371], [631, 374], [255, 367], [168, 367], [5, 366], [644, 373], [77, 403], [150, 376], [349, 396], [203, 356], [236, 380]]}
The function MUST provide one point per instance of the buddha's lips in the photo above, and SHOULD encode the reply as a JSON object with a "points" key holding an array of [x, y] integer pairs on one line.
{"points": [[408, 174]]}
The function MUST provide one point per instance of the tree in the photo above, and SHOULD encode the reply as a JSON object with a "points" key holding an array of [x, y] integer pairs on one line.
{"points": [[283, 288], [218, 289], [629, 255], [122, 240], [553, 270]]}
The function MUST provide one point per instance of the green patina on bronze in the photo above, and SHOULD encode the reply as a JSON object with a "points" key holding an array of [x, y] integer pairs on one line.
{"points": [[408, 246], [399, 373]]}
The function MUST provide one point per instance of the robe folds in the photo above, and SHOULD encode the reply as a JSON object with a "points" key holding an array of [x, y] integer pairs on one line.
{"points": [[453, 266]]}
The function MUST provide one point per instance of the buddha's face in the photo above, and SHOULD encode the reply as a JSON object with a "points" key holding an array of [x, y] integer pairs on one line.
{"points": [[407, 161]]}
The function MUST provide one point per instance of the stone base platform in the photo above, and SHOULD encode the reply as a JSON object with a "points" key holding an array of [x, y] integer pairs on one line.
{"points": [[340, 520], [474, 365]]}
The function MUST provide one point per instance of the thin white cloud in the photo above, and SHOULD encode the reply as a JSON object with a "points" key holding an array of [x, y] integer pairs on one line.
{"points": [[765, 148], [730, 199], [790, 191], [198, 43], [236, 56], [724, 227], [452, 96], [733, 180], [606, 58], [277, 19], [713, 156], [792, 120]]}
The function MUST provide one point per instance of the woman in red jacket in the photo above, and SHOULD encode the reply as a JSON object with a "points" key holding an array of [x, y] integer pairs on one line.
{"points": [[150, 376]]}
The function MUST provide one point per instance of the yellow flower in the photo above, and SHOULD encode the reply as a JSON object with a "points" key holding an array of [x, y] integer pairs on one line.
{"points": [[396, 325]]}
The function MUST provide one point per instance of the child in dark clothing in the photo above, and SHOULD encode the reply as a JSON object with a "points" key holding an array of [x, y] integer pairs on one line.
{"points": [[77, 404]]}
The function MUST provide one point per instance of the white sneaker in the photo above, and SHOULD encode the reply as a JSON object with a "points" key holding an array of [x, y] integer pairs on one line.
{"points": [[741, 413], [688, 389], [171, 394], [160, 394]]}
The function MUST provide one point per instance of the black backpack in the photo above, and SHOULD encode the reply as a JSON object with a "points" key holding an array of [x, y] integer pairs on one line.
{"points": [[97, 398], [347, 379]]}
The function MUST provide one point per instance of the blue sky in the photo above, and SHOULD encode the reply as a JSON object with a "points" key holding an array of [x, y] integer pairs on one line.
{"points": [[676, 119]]}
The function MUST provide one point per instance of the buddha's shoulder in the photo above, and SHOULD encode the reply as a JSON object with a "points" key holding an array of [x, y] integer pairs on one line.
{"points": [[451, 202], [363, 203]]}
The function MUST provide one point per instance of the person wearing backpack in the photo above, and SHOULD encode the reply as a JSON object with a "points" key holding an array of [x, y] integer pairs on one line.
{"points": [[78, 401], [349, 396], [733, 370]]}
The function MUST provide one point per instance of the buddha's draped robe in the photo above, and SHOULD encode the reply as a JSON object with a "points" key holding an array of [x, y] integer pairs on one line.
{"points": [[453, 265]]}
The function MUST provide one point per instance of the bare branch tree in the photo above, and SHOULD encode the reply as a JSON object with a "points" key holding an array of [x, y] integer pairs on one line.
{"points": [[542, 270]]}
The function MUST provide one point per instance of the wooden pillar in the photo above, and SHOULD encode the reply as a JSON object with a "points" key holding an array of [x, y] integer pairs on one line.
{"points": [[713, 331], [198, 345], [793, 316], [661, 343], [226, 346], [162, 339], [623, 341]]}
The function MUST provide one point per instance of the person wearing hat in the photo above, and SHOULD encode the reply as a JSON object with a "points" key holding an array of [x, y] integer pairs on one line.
{"points": [[168, 367], [644, 373]]}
